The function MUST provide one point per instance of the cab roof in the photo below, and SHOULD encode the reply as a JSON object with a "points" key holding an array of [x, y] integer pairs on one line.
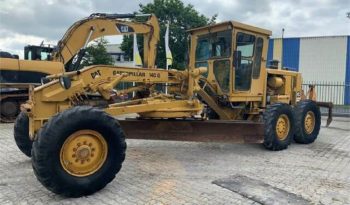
{"points": [[234, 24]]}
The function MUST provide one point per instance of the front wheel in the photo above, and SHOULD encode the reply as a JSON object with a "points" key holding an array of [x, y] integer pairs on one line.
{"points": [[279, 125], [78, 151], [307, 122], [21, 134]]}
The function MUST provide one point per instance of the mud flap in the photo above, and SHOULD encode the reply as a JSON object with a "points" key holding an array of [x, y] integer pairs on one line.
{"points": [[194, 130]]}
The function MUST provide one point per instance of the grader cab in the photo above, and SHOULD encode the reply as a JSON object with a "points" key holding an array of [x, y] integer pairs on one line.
{"points": [[227, 94]]}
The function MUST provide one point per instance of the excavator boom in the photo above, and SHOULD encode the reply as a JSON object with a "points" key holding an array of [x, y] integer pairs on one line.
{"points": [[99, 25]]}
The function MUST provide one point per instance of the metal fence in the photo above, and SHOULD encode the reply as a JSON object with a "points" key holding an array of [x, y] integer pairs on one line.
{"points": [[336, 92]]}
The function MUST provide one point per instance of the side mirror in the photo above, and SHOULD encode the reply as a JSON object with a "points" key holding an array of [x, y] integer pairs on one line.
{"points": [[237, 57], [65, 82]]}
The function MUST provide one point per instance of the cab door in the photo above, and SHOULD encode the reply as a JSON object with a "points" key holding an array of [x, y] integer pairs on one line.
{"points": [[245, 45]]}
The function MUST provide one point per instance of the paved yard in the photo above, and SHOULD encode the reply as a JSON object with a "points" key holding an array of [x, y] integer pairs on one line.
{"points": [[159, 172]]}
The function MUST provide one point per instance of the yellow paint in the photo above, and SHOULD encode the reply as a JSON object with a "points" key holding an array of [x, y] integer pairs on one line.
{"points": [[309, 122], [46, 67], [282, 127], [83, 153], [51, 98], [78, 34]]}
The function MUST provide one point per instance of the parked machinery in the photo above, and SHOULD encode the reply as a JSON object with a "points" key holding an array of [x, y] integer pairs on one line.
{"points": [[16, 76], [227, 94]]}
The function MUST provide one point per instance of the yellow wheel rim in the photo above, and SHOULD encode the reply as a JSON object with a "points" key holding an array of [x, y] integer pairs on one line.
{"points": [[309, 122], [282, 127], [83, 153]]}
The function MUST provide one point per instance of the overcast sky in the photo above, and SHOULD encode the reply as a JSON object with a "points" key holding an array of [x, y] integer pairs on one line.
{"points": [[24, 22]]}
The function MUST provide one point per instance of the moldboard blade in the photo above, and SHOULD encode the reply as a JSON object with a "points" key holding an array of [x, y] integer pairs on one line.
{"points": [[194, 130]]}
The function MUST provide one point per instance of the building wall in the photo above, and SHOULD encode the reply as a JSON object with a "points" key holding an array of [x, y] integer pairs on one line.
{"points": [[291, 50], [270, 52], [319, 59], [323, 59], [119, 57], [290, 53]]}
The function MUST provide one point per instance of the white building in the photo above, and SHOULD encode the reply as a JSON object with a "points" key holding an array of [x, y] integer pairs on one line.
{"points": [[119, 56]]}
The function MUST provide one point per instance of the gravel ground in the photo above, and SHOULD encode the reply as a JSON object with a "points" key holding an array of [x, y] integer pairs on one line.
{"points": [[160, 172]]}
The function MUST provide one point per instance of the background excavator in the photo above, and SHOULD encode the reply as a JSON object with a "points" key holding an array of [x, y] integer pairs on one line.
{"points": [[16, 76]]}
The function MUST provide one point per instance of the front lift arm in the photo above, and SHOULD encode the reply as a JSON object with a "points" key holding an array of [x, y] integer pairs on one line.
{"points": [[51, 98]]}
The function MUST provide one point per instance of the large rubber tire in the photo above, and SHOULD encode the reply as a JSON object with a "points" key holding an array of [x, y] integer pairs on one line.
{"points": [[51, 137], [21, 134], [271, 116], [300, 112]]}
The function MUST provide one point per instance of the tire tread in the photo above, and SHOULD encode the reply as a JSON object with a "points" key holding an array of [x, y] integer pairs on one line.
{"points": [[41, 151], [270, 116], [300, 136], [21, 134]]}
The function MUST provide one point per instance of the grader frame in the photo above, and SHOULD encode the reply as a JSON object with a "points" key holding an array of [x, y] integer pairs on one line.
{"points": [[47, 100]]}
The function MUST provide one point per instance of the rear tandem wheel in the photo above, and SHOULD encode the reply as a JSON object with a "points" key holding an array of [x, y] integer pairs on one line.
{"points": [[307, 122]]}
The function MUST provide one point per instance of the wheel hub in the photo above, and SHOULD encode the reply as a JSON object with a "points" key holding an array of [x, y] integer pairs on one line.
{"points": [[83, 153], [9, 108], [282, 127], [309, 122]]}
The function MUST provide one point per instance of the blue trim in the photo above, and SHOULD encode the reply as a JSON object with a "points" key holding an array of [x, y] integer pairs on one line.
{"points": [[291, 48], [269, 53], [347, 74]]}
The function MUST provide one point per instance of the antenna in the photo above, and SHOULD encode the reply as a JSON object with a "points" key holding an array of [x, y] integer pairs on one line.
{"points": [[282, 49]]}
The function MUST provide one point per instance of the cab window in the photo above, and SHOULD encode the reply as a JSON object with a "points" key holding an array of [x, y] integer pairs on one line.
{"points": [[44, 55], [30, 55], [202, 50], [214, 45], [222, 74], [221, 44]]}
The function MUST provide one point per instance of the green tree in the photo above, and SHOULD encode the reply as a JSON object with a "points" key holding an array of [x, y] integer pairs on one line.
{"points": [[181, 18], [96, 54]]}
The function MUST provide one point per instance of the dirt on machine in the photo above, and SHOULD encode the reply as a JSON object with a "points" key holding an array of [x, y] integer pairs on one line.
{"points": [[227, 94]]}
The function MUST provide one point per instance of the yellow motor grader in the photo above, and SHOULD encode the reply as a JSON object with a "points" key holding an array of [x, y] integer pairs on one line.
{"points": [[227, 94]]}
